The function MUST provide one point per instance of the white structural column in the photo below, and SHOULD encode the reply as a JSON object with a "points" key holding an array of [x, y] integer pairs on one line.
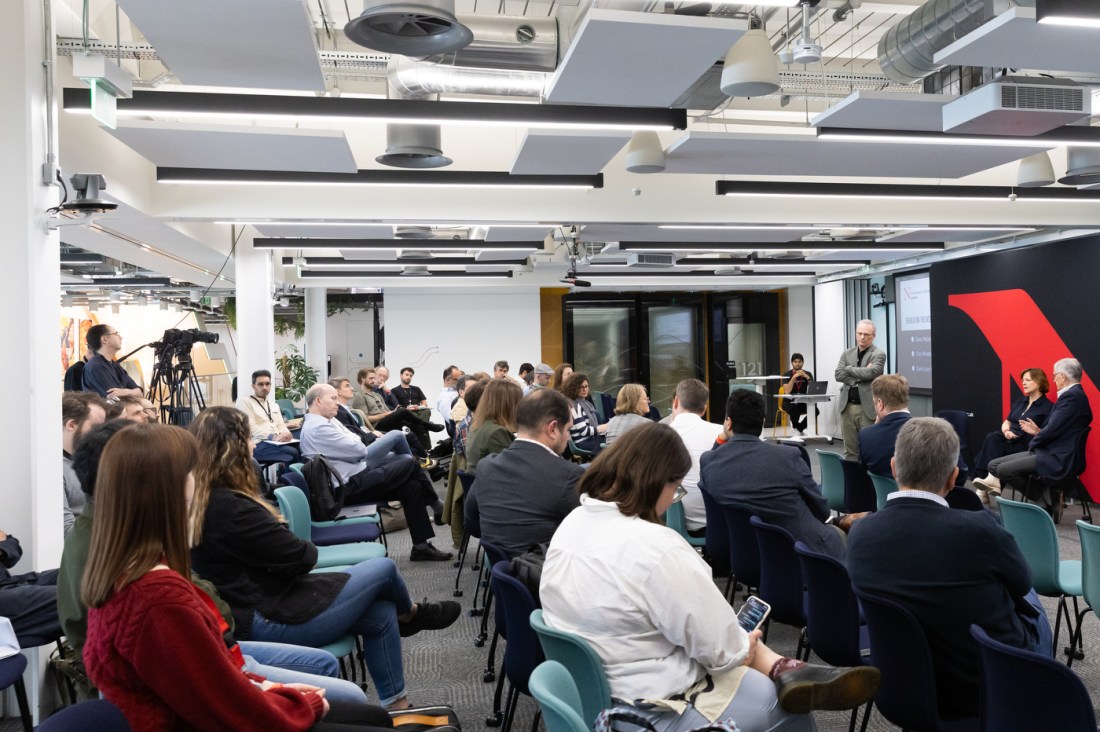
{"points": [[316, 339], [255, 315]]}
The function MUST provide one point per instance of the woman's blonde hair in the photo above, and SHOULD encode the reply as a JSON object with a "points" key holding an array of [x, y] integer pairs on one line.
{"points": [[630, 400]]}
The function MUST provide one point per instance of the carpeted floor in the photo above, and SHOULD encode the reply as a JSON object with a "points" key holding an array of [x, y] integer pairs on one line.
{"points": [[445, 667]]}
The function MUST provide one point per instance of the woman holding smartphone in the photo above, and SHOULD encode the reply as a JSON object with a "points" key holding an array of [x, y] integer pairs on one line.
{"points": [[646, 602]]}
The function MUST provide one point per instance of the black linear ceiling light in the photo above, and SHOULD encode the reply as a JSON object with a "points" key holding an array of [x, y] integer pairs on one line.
{"points": [[901, 192], [341, 263], [802, 246], [1059, 137], [409, 111], [389, 178], [1068, 12], [732, 271], [431, 245], [131, 281], [371, 273]]}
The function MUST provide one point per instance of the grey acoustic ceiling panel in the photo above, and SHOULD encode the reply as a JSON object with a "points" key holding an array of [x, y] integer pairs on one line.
{"points": [[170, 145], [325, 231], [1014, 40], [873, 110], [503, 232], [567, 152], [236, 43], [638, 59], [725, 153], [952, 236]]}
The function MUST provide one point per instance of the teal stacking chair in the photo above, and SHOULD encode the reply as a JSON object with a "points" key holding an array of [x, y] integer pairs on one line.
{"points": [[557, 694], [832, 479], [345, 652], [295, 509], [884, 486], [574, 653], [286, 406], [674, 519], [297, 467], [1034, 532], [1090, 578]]}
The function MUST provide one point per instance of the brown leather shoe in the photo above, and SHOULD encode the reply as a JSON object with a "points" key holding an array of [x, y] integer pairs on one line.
{"points": [[802, 690]]}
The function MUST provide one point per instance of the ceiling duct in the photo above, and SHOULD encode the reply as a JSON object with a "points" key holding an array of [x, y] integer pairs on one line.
{"points": [[419, 28], [413, 146], [906, 51]]}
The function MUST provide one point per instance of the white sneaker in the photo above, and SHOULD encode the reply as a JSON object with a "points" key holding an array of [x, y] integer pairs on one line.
{"points": [[984, 495]]}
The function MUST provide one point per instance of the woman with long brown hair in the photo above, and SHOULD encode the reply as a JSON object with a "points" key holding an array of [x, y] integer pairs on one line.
{"points": [[646, 603], [561, 373], [586, 429], [263, 570], [154, 647], [494, 425]]}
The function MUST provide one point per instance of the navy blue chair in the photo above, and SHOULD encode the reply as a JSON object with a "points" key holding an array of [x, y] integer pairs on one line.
{"points": [[467, 481], [964, 499], [1061, 701], [859, 491], [744, 550], [339, 531], [781, 579], [97, 714], [960, 422], [493, 555], [833, 627], [906, 695], [522, 652], [11, 674], [717, 547]]}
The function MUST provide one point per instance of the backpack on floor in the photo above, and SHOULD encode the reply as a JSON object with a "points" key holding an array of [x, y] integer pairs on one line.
{"points": [[326, 489], [441, 718]]}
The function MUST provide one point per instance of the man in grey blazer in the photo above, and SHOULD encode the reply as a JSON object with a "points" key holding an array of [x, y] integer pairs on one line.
{"points": [[770, 481], [522, 493], [858, 367]]}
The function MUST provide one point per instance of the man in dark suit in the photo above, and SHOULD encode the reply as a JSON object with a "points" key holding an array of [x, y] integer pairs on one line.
{"points": [[890, 395], [771, 481], [523, 492], [1052, 447], [949, 568]]}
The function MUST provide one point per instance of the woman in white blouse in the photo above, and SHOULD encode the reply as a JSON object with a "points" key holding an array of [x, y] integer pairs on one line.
{"points": [[646, 602]]}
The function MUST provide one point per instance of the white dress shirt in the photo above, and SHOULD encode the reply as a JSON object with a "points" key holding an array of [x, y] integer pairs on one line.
{"points": [[443, 403], [328, 437], [698, 436], [643, 598]]}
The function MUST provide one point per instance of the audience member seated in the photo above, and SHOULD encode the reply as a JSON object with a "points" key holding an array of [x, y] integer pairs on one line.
{"points": [[265, 418], [562, 372], [382, 377], [768, 480], [367, 436], [276, 661], [1011, 439], [80, 412], [447, 395], [459, 408], [408, 396], [28, 600], [263, 570], [526, 375], [1052, 446], [540, 378], [384, 419], [154, 645], [101, 374], [798, 379], [631, 408], [646, 603], [689, 404], [372, 474], [494, 425], [949, 568], [523, 492], [129, 408], [452, 513], [586, 430]]}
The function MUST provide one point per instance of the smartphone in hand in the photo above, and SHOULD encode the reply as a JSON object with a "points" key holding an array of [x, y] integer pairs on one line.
{"points": [[753, 613]]}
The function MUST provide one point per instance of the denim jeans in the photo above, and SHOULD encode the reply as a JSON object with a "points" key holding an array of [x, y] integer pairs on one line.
{"points": [[288, 664], [368, 606], [394, 442]]}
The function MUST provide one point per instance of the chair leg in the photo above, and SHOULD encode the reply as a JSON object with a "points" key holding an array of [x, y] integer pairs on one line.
{"points": [[461, 561], [24, 706], [489, 674], [866, 716], [483, 635], [481, 589], [1076, 641], [535, 721]]}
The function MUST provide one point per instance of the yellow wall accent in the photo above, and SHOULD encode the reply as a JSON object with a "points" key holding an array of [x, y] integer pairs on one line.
{"points": [[550, 306]]}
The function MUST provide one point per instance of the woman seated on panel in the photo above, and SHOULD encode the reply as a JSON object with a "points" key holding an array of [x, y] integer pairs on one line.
{"points": [[154, 645], [586, 429], [494, 424], [631, 408], [645, 601], [1010, 438], [263, 570]]}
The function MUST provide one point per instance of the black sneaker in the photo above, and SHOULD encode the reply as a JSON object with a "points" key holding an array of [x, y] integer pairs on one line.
{"points": [[431, 616], [435, 427], [428, 553]]}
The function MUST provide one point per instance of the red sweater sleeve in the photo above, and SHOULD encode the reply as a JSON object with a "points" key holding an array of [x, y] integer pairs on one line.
{"points": [[176, 651]]}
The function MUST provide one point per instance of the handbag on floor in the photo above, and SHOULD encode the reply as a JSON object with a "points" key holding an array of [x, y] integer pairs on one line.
{"points": [[440, 718]]}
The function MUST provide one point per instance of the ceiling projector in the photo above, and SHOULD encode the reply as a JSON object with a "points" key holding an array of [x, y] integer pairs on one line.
{"points": [[807, 53]]}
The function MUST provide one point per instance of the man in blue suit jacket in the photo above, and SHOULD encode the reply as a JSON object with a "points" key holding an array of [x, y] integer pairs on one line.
{"points": [[1052, 447], [770, 481]]}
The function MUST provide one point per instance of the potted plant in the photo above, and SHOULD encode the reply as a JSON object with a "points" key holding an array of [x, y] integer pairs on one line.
{"points": [[297, 374]]}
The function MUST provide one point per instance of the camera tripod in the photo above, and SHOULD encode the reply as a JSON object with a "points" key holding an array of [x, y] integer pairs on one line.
{"points": [[175, 382]]}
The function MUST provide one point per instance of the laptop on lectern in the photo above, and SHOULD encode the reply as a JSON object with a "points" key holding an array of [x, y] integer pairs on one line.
{"points": [[817, 387]]}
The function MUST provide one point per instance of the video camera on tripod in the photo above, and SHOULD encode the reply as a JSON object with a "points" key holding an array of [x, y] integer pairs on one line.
{"points": [[174, 379], [179, 342]]}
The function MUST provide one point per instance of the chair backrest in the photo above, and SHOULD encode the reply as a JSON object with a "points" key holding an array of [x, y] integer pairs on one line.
{"points": [[294, 506], [522, 652], [558, 698], [297, 467], [832, 613], [859, 491], [906, 694], [583, 664], [360, 417], [467, 481], [1063, 702], [884, 486], [960, 422], [98, 714], [286, 406], [1090, 562], [674, 519], [744, 551], [296, 479], [718, 535], [780, 575], [11, 669], [832, 478], [963, 499], [1078, 464], [1034, 532]]}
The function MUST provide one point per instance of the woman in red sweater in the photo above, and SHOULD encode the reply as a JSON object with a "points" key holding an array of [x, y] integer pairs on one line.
{"points": [[153, 646]]}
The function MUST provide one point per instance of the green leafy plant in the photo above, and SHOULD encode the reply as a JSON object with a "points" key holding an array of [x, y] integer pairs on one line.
{"points": [[297, 374]]}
